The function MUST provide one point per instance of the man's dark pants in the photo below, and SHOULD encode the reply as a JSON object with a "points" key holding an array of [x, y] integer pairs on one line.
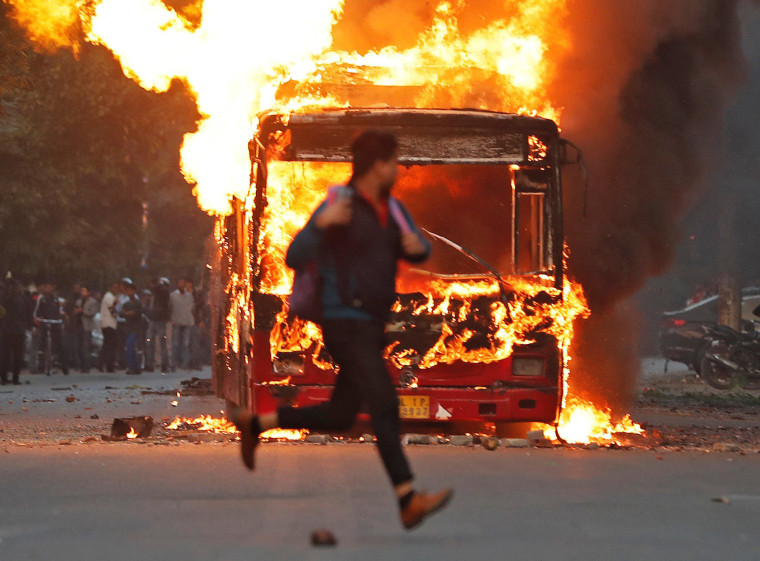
{"points": [[84, 346], [357, 347], [110, 348], [56, 345], [11, 355]]}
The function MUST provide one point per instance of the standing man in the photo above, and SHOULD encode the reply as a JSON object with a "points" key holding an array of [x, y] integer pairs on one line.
{"points": [[195, 331], [108, 326], [158, 314], [86, 309], [13, 324], [182, 307], [121, 334], [356, 241], [131, 311], [72, 325]]}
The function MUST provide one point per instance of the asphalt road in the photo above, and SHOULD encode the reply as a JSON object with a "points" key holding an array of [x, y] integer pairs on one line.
{"points": [[63, 498], [196, 502]]}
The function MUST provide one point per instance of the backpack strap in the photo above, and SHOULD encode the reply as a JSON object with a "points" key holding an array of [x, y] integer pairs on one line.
{"points": [[336, 191], [394, 206]]}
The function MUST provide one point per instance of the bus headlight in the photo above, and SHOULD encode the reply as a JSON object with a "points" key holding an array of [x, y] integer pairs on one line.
{"points": [[527, 366]]}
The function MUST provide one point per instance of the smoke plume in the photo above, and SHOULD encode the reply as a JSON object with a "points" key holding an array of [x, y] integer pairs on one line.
{"points": [[644, 87]]}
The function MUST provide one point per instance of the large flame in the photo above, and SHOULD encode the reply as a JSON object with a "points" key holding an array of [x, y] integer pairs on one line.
{"points": [[242, 51], [246, 56]]}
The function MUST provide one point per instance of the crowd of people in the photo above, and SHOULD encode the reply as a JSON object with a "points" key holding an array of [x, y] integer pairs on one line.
{"points": [[124, 329]]}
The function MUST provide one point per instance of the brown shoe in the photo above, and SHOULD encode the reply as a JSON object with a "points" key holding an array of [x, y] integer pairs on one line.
{"points": [[423, 505], [248, 441]]}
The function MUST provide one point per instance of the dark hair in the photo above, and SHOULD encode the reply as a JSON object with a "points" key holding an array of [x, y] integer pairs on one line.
{"points": [[371, 146]]}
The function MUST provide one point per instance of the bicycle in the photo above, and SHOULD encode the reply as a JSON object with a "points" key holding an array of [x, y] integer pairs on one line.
{"points": [[45, 355]]}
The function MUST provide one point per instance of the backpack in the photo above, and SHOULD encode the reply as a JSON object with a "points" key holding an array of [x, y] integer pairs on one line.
{"points": [[305, 300]]}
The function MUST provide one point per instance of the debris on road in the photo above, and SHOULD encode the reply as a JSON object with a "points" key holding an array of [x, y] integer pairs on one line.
{"points": [[726, 447], [461, 440], [419, 439], [323, 538], [131, 427], [537, 438], [489, 442]]}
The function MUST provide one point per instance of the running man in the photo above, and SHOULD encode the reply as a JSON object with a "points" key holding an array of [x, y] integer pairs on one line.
{"points": [[356, 241]]}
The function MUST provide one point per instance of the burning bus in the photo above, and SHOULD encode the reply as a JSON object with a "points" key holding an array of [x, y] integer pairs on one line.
{"points": [[478, 333]]}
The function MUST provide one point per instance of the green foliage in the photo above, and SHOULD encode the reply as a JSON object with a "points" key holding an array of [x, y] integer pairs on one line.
{"points": [[82, 148]]}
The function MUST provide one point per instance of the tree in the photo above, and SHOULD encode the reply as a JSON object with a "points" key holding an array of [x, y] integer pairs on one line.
{"points": [[83, 149]]}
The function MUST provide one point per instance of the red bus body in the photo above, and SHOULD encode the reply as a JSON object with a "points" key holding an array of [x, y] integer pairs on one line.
{"points": [[524, 386]]}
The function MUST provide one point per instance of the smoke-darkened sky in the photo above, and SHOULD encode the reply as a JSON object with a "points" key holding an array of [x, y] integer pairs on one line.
{"points": [[737, 175]]}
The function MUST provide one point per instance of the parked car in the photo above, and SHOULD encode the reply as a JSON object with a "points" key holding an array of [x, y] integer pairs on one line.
{"points": [[682, 333]]}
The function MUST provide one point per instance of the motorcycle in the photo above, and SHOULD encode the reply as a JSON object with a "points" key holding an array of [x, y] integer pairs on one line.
{"points": [[731, 358]]}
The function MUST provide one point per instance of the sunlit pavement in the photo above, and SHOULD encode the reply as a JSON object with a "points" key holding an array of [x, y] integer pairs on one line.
{"points": [[182, 501], [106, 395]]}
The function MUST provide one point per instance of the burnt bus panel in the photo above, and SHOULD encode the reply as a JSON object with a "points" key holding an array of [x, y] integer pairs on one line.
{"points": [[425, 136], [463, 119], [417, 145]]}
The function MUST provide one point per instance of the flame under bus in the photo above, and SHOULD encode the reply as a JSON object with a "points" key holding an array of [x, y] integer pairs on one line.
{"points": [[464, 344]]}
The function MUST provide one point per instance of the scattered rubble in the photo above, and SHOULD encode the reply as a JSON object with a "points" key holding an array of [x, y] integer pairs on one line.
{"points": [[674, 422], [726, 447]]}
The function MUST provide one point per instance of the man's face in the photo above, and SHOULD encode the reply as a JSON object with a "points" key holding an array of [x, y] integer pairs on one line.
{"points": [[50, 289], [387, 171], [77, 289], [85, 292], [181, 284]]}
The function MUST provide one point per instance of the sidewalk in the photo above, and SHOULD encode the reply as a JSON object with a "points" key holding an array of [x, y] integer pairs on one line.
{"points": [[49, 408]]}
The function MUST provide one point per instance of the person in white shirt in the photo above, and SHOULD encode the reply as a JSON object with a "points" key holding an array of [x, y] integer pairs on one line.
{"points": [[181, 306], [108, 326]]}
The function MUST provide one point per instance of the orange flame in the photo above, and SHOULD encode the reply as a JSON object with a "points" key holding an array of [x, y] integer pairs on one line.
{"points": [[501, 65], [203, 423], [237, 62], [284, 434], [132, 433], [582, 422], [49, 23], [221, 425]]}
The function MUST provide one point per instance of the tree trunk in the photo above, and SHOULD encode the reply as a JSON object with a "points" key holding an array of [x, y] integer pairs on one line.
{"points": [[729, 288]]}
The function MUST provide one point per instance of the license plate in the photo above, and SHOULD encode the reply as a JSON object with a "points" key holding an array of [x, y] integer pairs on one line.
{"points": [[414, 407]]}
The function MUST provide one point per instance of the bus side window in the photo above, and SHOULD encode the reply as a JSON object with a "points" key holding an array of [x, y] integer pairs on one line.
{"points": [[530, 232]]}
